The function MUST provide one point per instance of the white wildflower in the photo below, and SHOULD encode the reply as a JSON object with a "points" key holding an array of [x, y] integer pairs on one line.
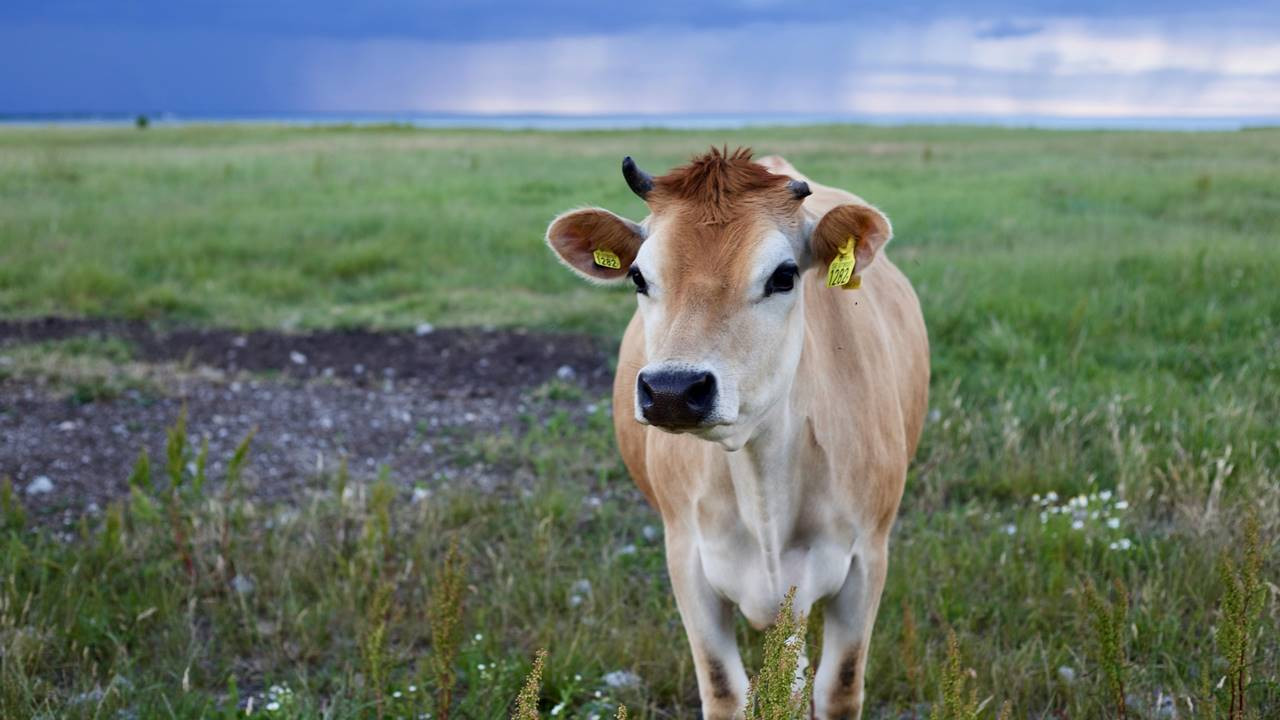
{"points": [[273, 706], [1105, 495], [1010, 529], [556, 710], [1113, 523], [242, 584], [1077, 524], [1122, 504], [621, 679]]}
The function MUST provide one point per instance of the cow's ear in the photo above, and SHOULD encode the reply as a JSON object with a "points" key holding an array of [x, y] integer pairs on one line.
{"points": [[595, 243], [868, 227]]}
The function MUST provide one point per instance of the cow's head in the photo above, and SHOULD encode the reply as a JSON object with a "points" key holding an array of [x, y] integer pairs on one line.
{"points": [[718, 267]]}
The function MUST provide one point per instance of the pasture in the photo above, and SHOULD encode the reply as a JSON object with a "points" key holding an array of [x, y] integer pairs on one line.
{"points": [[1105, 332]]}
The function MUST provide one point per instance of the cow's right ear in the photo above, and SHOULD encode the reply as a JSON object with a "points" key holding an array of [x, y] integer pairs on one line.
{"points": [[576, 236]]}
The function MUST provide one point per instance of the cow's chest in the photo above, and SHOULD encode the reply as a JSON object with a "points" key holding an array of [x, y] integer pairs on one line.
{"points": [[753, 559]]}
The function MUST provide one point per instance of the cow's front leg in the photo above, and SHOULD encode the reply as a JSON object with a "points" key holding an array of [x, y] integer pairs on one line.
{"points": [[708, 621], [846, 636]]}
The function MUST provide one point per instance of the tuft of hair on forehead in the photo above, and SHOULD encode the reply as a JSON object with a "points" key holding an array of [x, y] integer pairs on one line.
{"points": [[714, 185]]}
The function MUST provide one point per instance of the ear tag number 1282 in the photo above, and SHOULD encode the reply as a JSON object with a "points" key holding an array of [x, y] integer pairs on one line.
{"points": [[841, 270], [606, 259]]}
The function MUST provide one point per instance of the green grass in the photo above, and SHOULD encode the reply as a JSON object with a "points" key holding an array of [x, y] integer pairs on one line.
{"points": [[1103, 317], [390, 226]]}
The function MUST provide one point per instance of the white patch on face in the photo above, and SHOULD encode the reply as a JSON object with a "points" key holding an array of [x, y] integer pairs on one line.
{"points": [[775, 249], [768, 334], [650, 257], [753, 356]]}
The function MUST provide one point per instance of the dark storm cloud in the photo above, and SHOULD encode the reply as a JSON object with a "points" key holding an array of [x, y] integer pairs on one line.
{"points": [[461, 20], [987, 56]]}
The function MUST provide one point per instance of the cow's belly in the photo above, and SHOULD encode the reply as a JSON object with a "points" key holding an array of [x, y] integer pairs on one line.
{"points": [[755, 579]]}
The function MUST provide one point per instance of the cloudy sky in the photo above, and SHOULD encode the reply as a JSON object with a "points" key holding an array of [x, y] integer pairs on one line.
{"points": [[984, 57]]}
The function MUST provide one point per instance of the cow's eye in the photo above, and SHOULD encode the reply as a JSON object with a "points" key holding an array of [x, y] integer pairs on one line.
{"points": [[637, 277], [783, 279]]}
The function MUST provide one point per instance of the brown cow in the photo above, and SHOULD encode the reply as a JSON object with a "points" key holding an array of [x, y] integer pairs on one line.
{"points": [[768, 417]]}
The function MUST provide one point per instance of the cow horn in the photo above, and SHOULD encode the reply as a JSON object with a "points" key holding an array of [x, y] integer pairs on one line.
{"points": [[640, 181], [800, 189]]}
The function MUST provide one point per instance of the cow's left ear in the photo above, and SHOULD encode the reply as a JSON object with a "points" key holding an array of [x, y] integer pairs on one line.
{"points": [[868, 227], [595, 243]]}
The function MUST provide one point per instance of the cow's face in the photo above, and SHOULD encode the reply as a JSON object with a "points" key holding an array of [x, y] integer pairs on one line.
{"points": [[718, 268]]}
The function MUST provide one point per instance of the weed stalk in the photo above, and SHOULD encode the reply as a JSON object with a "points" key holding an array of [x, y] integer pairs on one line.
{"points": [[772, 694], [1242, 600], [374, 645], [955, 703], [527, 700], [1108, 622], [445, 617]]}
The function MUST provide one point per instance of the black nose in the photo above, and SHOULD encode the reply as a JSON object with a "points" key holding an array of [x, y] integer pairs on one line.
{"points": [[676, 398]]}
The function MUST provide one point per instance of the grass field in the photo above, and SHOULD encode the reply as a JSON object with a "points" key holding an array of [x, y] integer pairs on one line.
{"points": [[1105, 329]]}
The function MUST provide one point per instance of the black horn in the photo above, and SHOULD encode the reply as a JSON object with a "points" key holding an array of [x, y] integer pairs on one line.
{"points": [[800, 189], [640, 181]]}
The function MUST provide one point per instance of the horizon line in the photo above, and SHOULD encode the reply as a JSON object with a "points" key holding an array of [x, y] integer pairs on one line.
{"points": [[634, 121]]}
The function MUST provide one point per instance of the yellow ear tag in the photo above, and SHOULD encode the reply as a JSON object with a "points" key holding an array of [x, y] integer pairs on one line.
{"points": [[840, 273], [606, 259]]}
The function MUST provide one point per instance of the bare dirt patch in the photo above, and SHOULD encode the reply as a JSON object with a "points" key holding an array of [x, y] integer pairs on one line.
{"points": [[407, 401]]}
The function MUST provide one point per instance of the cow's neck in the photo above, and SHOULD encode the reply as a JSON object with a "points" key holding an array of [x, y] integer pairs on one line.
{"points": [[768, 500], [767, 497]]}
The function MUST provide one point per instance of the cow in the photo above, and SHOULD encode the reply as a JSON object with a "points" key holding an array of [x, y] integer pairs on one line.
{"points": [[769, 418]]}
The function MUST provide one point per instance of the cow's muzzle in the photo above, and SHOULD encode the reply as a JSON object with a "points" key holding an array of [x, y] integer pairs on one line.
{"points": [[676, 398]]}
